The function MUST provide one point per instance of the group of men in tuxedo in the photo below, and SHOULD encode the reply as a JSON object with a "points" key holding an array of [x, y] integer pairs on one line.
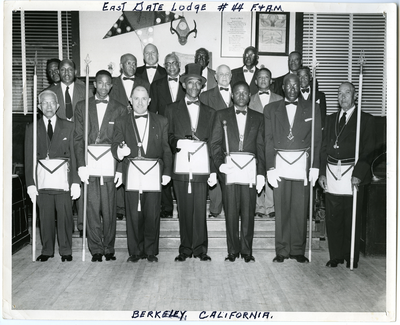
{"points": [[157, 113]]}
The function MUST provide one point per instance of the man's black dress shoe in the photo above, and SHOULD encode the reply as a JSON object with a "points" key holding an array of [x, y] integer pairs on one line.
{"points": [[80, 233], [212, 215], [299, 258], [97, 258], [248, 258], [204, 257], [334, 263], [110, 257], [166, 214], [279, 259], [152, 258], [355, 264], [120, 216], [271, 215], [231, 257], [43, 258], [181, 257], [134, 258], [67, 258]]}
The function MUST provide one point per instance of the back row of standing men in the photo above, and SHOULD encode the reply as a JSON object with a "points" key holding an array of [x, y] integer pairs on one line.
{"points": [[156, 113]]}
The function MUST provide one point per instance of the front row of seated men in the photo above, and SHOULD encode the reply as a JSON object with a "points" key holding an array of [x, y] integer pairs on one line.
{"points": [[234, 145]]}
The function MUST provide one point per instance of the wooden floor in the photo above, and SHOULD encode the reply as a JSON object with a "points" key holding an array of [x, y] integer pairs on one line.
{"points": [[194, 285]]}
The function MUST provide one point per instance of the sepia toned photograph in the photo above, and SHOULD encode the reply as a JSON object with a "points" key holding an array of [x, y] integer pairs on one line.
{"points": [[193, 161]]}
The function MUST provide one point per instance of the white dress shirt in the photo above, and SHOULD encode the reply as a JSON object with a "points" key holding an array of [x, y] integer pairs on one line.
{"points": [[205, 75], [291, 112], [53, 122], [173, 88], [194, 111], [151, 73], [264, 98], [306, 94], [101, 110], [226, 95], [70, 90], [143, 129], [248, 75], [349, 112], [128, 85], [241, 122]]}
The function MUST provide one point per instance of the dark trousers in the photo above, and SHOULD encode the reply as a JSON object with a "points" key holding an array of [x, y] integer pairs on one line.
{"points": [[121, 199], [143, 227], [291, 204], [167, 204], [215, 195], [79, 208], [239, 200], [101, 216], [338, 218], [192, 217], [49, 205]]}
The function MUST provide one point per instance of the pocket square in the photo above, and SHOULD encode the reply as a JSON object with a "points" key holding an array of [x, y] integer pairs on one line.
{"points": [[110, 122], [308, 119], [64, 139], [318, 101]]}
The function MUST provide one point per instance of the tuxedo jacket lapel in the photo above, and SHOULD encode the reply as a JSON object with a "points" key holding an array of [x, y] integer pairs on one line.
{"points": [[93, 118], [281, 116]]}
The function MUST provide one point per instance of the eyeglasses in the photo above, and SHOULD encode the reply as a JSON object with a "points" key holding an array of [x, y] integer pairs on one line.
{"points": [[46, 104], [170, 64]]}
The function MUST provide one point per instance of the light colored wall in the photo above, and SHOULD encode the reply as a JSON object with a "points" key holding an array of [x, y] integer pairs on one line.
{"points": [[94, 25]]}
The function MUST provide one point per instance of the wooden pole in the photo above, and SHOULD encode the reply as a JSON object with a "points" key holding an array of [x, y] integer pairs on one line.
{"points": [[23, 56], [34, 159], [310, 226], [357, 149], [87, 61]]}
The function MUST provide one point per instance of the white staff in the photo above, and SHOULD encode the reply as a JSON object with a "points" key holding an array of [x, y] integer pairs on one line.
{"points": [[312, 157], [226, 139], [34, 159], [357, 149], [87, 61]]}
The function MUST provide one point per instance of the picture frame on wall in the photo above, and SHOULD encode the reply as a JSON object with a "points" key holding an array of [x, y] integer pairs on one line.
{"points": [[236, 33], [272, 33]]}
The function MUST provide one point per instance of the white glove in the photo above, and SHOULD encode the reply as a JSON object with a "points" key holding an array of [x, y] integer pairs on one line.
{"points": [[165, 179], [226, 168], [83, 174], [75, 191], [313, 176], [212, 180], [32, 192], [123, 152], [273, 177], [118, 179], [260, 183]]}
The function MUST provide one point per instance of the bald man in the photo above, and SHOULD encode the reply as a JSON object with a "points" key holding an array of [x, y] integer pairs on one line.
{"points": [[151, 71]]}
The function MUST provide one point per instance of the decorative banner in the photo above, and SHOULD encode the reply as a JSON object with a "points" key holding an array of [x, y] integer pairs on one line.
{"points": [[132, 21]]}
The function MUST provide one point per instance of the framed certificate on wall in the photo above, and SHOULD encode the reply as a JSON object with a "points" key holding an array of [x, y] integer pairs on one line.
{"points": [[235, 33], [272, 33]]}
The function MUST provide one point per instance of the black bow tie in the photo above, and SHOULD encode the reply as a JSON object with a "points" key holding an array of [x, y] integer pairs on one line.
{"points": [[305, 90], [251, 71], [151, 67], [129, 78], [222, 88], [238, 111], [288, 103], [196, 102], [98, 101], [264, 92], [173, 79], [139, 116]]}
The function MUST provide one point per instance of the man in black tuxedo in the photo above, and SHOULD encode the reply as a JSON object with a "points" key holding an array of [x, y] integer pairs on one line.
{"points": [[202, 57], [101, 207], [219, 97], [121, 92], [306, 91], [191, 119], [147, 133], [151, 71], [245, 131], [339, 179], [248, 71], [163, 92], [55, 140], [124, 84], [287, 155]]}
